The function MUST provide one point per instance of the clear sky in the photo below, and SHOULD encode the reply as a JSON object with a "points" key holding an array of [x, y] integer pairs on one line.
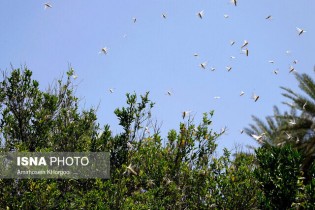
{"points": [[156, 54]]}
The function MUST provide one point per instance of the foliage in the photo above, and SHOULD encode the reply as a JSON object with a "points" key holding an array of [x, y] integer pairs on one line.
{"points": [[304, 127], [181, 171], [278, 173], [295, 127], [32, 120]]}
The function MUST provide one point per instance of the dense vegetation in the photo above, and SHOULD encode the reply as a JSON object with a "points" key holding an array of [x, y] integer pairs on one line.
{"points": [[148, 171]]}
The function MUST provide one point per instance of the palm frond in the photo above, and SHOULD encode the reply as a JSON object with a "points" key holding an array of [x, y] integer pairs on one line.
{"points": [[261, 125], [271, 123], [289, 91], [276, 110], [306, 84]]}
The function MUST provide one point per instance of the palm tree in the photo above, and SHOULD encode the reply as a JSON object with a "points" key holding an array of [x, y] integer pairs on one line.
{"points": [[271, 131], [304, 127], [296, 127]]}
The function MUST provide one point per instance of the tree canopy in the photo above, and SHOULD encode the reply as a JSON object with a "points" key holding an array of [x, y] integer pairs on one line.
{"points": [[180, 171]]}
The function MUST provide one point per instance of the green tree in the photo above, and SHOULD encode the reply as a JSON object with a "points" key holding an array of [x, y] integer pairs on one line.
{"points": [[279, 173], [238, 188], [34, 120]]}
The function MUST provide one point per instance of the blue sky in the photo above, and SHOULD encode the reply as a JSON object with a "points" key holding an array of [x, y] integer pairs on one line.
{"points": [[157, 55]]}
